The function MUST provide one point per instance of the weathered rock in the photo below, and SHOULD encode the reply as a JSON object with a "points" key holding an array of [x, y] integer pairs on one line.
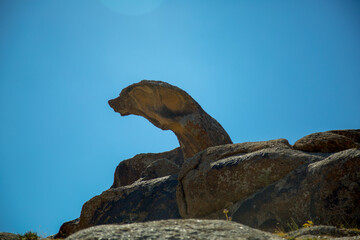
{"points": [[8, 236], [174, 229], [170, 108], [227, 150], [331, 141], [160, 168], [353, 134], [140, 202], [320, 237], [68, 228], [219, 176], [326, 192], [323, 232], [131, 170]]}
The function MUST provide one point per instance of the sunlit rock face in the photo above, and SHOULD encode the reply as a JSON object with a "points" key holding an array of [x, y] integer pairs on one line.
{"points": [[330, 141], [170, 108]]}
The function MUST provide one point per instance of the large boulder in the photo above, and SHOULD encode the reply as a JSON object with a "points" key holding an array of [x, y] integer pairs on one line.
{"points": [[330, 141], [326, 192], [170, 108], [147, 166], [219, 176], [174, 229], [142, 201]]}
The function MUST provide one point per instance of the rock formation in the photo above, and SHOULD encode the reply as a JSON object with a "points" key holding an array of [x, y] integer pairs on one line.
{"points": [[326, 192], [210, 181], [170, 108], [265, 185], [331, 141], [175, 229], [142, 201], [147, 166]]}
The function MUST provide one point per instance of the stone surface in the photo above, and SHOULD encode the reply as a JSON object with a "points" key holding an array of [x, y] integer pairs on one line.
{"points": [[140, 202], [326, 192], [331, 141], [324, 232], [143, 165], [170, 108], [219, 176], [8, 236], [174, 229], [319, 237], [353, 134], [160, 168], [68, 228]]}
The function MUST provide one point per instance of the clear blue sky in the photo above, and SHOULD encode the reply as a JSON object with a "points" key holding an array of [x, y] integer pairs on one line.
{"points": [[264, 69]]}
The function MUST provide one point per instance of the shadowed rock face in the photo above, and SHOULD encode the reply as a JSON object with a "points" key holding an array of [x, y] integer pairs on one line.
{"points": [[170, 108], [144, 201], [147, 166]]}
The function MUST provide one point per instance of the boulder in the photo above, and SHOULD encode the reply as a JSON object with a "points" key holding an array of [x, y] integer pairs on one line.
{"points": [[219, 176], [326, 192], [174, 229], [144, 165], [170, 108], [143, 201], [331, 141]]}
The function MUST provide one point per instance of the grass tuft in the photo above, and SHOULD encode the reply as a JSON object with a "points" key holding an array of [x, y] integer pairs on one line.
{"points": [[29, 236]]}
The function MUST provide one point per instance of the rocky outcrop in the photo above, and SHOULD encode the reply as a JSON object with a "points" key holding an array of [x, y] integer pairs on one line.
{"points": [[331, 141], [147, 166], [170, 108], [326, 192], [323, 232], [174, 229], [219, 176], [262, 184], [140, 202]]}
